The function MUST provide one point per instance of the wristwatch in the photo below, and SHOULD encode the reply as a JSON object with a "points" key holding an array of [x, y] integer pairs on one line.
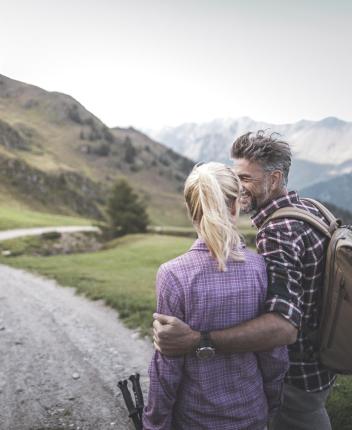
{"points": [[205, 348]]}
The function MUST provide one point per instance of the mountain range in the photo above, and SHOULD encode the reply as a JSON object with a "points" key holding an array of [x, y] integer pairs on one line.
{"points": [[324, 142], [322, 150], [57, 156]]}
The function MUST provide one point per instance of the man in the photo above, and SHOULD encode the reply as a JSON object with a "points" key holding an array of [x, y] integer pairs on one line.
{"points": [[294, 253]]}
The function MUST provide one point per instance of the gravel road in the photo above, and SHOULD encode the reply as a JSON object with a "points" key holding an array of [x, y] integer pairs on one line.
{"points": [[61, 356]]}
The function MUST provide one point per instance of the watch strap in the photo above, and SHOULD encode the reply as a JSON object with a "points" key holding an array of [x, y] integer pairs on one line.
{"points": [[205, 340]]}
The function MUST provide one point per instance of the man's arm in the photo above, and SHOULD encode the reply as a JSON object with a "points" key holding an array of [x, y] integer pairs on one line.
{"points": [[173, 337]]}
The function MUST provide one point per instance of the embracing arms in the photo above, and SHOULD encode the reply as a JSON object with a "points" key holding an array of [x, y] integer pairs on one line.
{"points": [[279, 326], [173, 337]]}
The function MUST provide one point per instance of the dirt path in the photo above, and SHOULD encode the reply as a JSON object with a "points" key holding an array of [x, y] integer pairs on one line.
{"points": [[61, 356]]}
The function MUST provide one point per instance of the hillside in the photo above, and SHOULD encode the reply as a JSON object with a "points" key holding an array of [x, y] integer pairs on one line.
{"points": [[336, 191], [57, 156], [303, 173]]}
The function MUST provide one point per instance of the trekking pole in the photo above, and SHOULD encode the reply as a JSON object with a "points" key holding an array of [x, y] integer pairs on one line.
{"points": [[138, 395], [132, 410]]}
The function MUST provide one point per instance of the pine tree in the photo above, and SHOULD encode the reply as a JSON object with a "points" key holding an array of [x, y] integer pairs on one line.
{"points": [[127, 213]]}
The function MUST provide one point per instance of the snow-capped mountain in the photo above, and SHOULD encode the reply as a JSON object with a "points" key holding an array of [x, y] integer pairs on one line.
{"points": [[324, 142]]}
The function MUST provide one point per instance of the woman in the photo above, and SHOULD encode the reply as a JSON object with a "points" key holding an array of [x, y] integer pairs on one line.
{"points": [[216, 284]]}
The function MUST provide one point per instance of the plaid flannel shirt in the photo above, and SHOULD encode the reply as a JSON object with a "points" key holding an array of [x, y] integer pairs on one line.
{"points": [[294, 253]]}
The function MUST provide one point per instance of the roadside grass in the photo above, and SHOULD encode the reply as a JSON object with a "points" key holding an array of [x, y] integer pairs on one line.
{"points": [[244, 225], [16, 217], [339, 404], [123, 274], [28, 245]]}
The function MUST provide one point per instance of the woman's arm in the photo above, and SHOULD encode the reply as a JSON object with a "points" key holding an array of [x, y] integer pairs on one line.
{"points": [[274, 366], [165, 372]]}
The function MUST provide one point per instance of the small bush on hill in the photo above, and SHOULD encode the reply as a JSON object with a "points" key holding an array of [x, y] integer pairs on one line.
{"points": [[130, 151]]}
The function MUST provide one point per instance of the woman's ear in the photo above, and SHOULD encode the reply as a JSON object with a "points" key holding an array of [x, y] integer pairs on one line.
{"points": [[233, 207]]}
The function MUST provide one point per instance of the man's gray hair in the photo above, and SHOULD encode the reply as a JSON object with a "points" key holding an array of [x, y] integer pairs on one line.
{"points": [[268, 150]]}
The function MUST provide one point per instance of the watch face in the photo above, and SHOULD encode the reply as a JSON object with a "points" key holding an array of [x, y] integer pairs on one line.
{"points": [[205, 352]]}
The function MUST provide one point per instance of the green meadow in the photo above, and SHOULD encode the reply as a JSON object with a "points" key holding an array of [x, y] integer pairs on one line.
{"points": [[12, 217]]}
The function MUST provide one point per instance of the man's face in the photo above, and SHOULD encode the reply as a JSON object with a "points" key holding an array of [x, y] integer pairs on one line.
{"points": [[255, 185]]}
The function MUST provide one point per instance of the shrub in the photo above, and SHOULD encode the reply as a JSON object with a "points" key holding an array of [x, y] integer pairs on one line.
{"points": [[130, 151]]}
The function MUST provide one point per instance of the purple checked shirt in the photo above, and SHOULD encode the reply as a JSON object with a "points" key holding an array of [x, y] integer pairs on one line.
{"points": [[228, 391]]}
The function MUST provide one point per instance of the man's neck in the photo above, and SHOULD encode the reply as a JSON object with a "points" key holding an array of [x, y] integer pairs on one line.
{"points": [[274, 196], [280, 193]]}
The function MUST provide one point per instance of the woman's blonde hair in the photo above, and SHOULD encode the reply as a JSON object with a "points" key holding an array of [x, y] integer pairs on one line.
{"points": [[211, 191]]}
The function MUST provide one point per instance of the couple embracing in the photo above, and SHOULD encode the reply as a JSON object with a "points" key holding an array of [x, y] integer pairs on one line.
{"points": [[226, 314]]}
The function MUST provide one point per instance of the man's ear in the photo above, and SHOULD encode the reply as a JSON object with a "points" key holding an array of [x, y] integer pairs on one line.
{"points": [[276, 180]]}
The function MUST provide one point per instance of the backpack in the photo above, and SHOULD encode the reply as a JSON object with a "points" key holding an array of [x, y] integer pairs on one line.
{"points": [[334, 334]]}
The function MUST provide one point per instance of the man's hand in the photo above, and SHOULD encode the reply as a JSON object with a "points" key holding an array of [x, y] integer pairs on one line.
{"points": [[172, 336]]}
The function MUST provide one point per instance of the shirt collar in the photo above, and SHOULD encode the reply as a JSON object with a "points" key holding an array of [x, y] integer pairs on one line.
{"points": [[200, 245], [289, 199]]}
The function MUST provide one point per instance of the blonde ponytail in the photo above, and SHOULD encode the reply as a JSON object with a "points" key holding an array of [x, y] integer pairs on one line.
{"points": [[210, 192]]}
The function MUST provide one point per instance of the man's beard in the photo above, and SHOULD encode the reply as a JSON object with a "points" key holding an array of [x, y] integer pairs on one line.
{"points": [[248, 203]]}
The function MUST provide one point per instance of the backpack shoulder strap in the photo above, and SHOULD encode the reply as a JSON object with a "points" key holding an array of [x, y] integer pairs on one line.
{"points": [[334, 222], [301, 215], [323, 209]]}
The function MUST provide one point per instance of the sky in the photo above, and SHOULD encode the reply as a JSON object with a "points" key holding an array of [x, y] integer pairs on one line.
{"points": [[155, 63]]}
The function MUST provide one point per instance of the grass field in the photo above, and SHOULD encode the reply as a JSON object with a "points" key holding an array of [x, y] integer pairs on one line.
{"points": [[248, 232], [124, 274], [17, 217]]}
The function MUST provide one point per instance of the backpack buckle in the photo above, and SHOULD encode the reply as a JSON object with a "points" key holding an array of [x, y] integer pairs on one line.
{"points": [[334, 225]]}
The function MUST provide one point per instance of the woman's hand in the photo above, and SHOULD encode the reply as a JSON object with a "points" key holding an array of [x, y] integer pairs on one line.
{"points": [[172, 336]]}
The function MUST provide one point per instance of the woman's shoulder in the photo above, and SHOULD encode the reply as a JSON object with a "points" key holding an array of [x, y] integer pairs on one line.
{"points": [[252, 271], [254, 260], [177, 264], [172, 276], [183, 266]]}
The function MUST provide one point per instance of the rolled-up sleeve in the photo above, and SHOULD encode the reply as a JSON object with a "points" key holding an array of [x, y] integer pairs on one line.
{"points": [[283, 250], [165, 373]]}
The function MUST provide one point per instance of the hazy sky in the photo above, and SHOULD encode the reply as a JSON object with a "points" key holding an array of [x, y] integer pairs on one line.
{"points": [[150, 63]]}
